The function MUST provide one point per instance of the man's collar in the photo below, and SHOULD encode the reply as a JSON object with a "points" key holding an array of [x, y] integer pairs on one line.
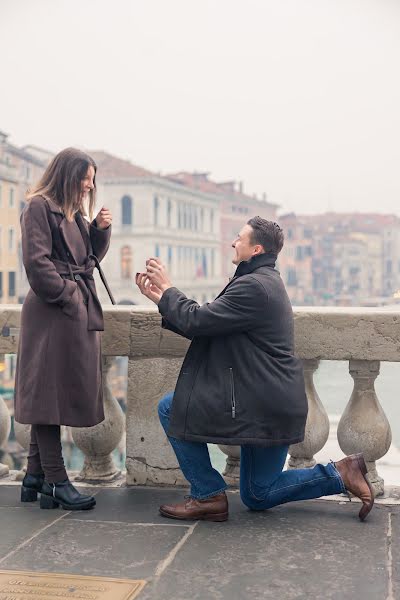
{"points": [[255, 262]]}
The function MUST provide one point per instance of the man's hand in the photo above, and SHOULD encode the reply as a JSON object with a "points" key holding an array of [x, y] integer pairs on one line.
{"points": [[151, 291], [104, 218], [157, 274]]}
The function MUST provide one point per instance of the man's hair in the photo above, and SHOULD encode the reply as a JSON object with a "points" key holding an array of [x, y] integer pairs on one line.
{"points": [[266, 233]]}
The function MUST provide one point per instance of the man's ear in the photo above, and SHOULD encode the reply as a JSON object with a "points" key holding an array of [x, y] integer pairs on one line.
{"points": [[258, 250]]}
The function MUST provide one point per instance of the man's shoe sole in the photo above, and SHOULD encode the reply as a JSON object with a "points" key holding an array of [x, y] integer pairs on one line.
{"points": [[216, 518]]}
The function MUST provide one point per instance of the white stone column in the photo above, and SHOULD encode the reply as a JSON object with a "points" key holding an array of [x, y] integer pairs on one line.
{"points": [[23, 437], [149, 456], [231, 472], [5, 426], [363, 426], [317, 426], [97, 443]]}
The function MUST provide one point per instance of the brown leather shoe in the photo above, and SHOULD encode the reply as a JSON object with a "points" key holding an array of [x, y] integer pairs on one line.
{"points": [[353, 470], [210, 509]]}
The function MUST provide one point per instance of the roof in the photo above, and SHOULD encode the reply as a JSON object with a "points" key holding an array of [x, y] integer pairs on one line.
{"points": [[111, 166], [201, 181]]}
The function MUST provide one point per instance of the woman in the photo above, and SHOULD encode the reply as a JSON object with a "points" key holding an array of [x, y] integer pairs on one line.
{"points": [[58, 378]]}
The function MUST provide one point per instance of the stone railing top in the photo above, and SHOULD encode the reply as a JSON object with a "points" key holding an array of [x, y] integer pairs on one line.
{"points": [[320, 333]]}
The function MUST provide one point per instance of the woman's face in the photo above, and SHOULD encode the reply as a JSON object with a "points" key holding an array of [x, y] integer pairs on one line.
{"points": [[87, 182]]}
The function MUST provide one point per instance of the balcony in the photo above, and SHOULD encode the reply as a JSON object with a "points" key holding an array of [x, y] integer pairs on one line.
{"points": [[314, 549]]}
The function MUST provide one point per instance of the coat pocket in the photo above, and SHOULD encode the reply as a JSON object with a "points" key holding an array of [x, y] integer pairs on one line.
{"points": [[71, 308], [230, 395]]}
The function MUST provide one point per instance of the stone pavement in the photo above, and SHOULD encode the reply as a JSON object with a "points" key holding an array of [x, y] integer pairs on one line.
{"points": [[308, 550]]}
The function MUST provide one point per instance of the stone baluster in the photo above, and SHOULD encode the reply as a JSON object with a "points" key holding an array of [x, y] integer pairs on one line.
{"points": [[149, 456], [97, 443], [5, 426], [23, 437], [231, 472], [363, 426], [317, 426]]}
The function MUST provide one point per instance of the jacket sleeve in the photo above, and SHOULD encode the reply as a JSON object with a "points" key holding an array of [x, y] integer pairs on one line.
{"points": [[100, 239], [37, 245], [239, 309], [167, 325]]}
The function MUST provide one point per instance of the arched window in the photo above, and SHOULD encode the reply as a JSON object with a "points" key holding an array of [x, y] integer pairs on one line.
{"points": [[126, 262], [126, 205]]}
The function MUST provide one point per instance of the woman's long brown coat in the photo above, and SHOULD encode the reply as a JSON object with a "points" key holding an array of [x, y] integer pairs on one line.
{"points": [[58, 378]]}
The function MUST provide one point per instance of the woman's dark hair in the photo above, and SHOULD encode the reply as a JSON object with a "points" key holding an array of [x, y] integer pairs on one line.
{"points": [[62, 183], [266, 233]]}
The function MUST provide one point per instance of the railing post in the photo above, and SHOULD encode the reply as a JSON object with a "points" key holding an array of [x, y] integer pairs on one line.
{"points": [[97, 443], [232, 467], [317, 426], [364, 426], [149, 456], [5, 426]]}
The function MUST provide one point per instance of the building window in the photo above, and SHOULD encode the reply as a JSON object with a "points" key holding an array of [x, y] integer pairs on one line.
{"points": [[169, 257], [12, 199], [11, 239], [212, 221], [157, 251], [126, 262], [291, 277], [169, 211], [156, 205], [126, 206], [11, 284]]}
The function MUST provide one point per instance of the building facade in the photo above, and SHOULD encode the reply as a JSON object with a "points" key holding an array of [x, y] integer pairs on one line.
{"points": [[161, 217]]}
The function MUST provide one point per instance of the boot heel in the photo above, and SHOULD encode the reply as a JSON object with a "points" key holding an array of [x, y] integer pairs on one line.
{"points": [[28, 495], [48, 502]]}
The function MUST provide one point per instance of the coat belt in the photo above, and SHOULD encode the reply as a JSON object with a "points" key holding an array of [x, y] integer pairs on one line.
{"points": [[84, 273]]}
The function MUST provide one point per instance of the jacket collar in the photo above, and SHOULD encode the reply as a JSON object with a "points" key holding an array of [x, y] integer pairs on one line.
{"points": [[261, 260], [53, 207]]}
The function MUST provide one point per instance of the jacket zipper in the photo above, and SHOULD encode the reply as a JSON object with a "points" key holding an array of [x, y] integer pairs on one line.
{"points": [[233, 400]]}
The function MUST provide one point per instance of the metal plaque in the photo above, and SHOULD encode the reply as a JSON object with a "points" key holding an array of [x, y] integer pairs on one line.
{"points": [[24, 585]]}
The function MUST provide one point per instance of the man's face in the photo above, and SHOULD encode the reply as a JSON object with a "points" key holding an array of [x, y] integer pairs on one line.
{"points": [[243, 247]]}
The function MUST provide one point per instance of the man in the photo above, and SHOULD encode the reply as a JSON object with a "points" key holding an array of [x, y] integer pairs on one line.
{"points": [[241, 384]]}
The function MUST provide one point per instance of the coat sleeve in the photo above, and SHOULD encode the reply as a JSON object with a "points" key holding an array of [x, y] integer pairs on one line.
{"points": [[100, 239], [37, 246], [239, 309], [167, 325]]}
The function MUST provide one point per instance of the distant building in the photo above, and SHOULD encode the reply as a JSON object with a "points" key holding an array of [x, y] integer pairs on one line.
{"points": [[162, 217], [295, 259], [236, 208]]}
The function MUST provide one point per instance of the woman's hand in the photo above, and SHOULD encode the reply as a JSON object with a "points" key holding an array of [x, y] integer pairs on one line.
{"points": [[151, 291], [157, 274], [104, 218]]}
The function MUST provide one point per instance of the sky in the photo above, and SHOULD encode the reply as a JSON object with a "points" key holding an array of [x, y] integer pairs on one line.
{"points": [[299, 99]]}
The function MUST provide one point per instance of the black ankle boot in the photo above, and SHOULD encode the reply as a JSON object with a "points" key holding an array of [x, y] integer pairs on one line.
{"points": [[31, 485], [64, 493]]}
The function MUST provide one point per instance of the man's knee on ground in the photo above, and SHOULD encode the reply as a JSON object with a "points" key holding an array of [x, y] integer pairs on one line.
{"points": [[250, 501]]}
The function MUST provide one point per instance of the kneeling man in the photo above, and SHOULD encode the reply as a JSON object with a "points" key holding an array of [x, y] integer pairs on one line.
{"points": [[241, 384]]}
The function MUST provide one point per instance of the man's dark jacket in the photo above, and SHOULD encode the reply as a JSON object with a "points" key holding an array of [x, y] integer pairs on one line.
{"points": [[240, 382]]}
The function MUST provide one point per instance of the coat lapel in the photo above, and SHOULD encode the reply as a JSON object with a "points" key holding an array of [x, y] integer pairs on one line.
{"points": [[68, 240]]}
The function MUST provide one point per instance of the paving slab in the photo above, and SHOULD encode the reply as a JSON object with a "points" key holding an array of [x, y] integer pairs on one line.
{"points": [[312, 550], [108, 549], [20, 524], [133, 505], [394, 551]]}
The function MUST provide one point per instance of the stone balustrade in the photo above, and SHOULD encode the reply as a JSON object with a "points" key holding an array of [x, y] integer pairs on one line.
{"points": [[363, 337]]}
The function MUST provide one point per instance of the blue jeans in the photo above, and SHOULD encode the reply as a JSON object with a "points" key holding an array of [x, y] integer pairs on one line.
{"points": [[263, 483]]}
